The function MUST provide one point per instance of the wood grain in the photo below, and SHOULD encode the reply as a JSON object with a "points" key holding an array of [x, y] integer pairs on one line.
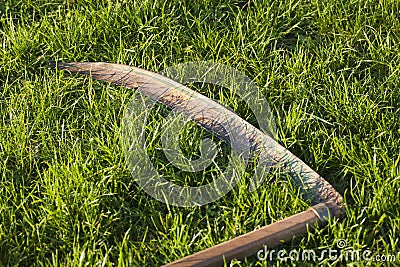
{"points": [[271, 235]]}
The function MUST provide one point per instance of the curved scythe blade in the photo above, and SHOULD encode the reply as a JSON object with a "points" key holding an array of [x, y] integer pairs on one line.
{"points": [[193, 105]]}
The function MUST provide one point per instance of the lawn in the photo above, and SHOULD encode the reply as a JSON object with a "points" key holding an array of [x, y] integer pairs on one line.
{"points": [[330, 72]]}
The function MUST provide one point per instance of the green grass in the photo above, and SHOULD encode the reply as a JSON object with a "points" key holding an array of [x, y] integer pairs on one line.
{"points": [[329, 68]]}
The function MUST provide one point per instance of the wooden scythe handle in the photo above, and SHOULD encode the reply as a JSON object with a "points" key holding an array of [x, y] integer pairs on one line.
{"points": [[270, 235]]}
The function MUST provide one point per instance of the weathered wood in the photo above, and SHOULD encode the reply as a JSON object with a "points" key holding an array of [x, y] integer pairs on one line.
{"points": [[271, 235]]}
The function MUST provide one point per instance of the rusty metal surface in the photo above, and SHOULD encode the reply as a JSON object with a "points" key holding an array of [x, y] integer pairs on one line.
{"points": [[213, 117]]}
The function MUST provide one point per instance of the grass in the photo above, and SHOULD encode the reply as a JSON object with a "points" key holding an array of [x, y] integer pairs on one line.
{"points": [[330, 70]]}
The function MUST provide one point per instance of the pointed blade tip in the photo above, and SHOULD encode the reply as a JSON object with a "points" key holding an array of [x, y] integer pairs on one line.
{"points": [[57, 64]]}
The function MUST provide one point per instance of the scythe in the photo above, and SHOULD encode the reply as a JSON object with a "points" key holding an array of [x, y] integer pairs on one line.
{"points": [[327, 202]]}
